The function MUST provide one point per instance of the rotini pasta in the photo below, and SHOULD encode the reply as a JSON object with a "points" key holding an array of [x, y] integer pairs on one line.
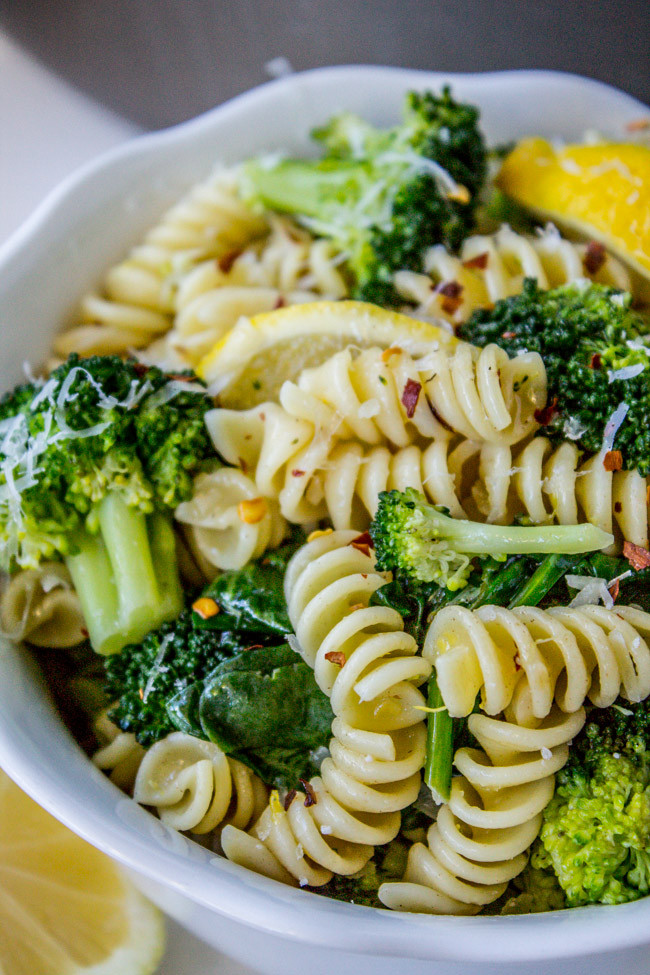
{"points": [[369, 667], [194, 786], [480, 839], [524, 660], [41, 607], [119, 754], [227, 523], [493, 266], [137, 303]]}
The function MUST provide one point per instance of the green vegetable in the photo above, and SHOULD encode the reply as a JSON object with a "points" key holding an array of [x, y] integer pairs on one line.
{"points": [[595, 834], [91, 464], [440, 744], [584, 335], [388, 864], [384, 196], [415, 538]]}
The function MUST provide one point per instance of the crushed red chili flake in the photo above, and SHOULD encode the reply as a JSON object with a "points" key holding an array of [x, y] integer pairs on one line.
{"points": [[297, 473], [336, 657], [637, 556], [84, 632], [595, 257], [618, 507], [242, 463], [310, 797], [205, 607], [141, 693], [362, 543], [613, 460], [638, 125], [545, 415], [480, 261], [410, 396], [613, 589], [280, 303], [450, 292], [596, 361], [140, 369], [508, 335], [288, 799], [226, 261]]}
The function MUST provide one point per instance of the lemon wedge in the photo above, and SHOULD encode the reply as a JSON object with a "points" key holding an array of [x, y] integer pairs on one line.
{"points": [[598, 191], [250, 363], [65, 908]]}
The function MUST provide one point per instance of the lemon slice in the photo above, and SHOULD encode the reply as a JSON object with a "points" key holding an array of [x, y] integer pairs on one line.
{"points": [[65, 908], [250, 363], [598, 191]]}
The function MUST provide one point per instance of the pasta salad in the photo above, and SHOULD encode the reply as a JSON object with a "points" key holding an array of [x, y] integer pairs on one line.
{"points": [[328, 517]]}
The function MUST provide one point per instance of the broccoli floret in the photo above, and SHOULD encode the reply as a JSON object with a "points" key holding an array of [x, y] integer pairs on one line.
{"points": [[384, 196], [596, 830], [144, 677], [91, 464], [418, 540], [584, 334]]}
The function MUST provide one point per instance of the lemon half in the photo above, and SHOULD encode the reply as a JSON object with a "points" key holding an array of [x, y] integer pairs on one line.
{"points": [[66, 908], [250, 363], [599, 191]]}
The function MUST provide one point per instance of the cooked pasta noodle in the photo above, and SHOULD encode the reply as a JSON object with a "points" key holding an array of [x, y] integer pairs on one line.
{"points": [[40, 606], [119, 754], [137, 303], [194, 786], [369, 667], [480, 839], [227, 523], [493, 266], [524, 660]]}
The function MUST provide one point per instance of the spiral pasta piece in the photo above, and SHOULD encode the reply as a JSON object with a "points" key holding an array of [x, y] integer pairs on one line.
{"points": [[194, 786], [493, 266], [41, 607], [480, 839], [386, 396], [137, 302], [369, 667], [525, 660], [227, 523], [119, 754]]}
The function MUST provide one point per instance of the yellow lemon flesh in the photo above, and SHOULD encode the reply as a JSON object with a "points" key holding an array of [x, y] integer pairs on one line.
{"points": [[598, 191], [250, 363], [65, 908]]}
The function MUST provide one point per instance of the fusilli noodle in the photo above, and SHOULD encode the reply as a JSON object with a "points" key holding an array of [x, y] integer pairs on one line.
{"points": [[227, 523], [40, 606], [524, 660], [493, 266], [119, 753], [194, 786], [480, 838], [369, 667]]}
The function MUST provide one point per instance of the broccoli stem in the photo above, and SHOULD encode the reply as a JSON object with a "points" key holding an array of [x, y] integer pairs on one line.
{"points": [[476, 538], [440, 750], [126, 576]]}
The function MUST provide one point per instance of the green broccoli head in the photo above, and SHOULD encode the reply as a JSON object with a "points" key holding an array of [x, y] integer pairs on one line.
{"points": [[585, 334], [384, 196], [91, 464], [420, 542], [596, 830]]}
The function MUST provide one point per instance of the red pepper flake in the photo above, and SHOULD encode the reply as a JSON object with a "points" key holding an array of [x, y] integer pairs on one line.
{"points": [[205, 607], [297, 473], [596, 361], [637, 556], [450, 292], [545, 416], [336, 657], [517, 661], [84, 632], [226, 261], [638, 125], [480, 262], [141, 693], [362, 543], [140, 369], [280, 303], [613, 460], [618, 507], [410, 396], [310, 797], [288, 799], [613, 589], [508, 335], [595, 257]]}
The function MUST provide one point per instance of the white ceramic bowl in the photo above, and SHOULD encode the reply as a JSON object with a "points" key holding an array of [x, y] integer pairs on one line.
{"points": [[85, 225]]}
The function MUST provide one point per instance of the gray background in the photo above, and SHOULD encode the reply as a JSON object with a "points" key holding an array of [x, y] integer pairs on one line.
{"points": [[161, 61]]}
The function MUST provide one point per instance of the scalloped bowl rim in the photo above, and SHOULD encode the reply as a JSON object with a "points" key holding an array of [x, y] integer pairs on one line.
{"points": [[89, 804]]}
